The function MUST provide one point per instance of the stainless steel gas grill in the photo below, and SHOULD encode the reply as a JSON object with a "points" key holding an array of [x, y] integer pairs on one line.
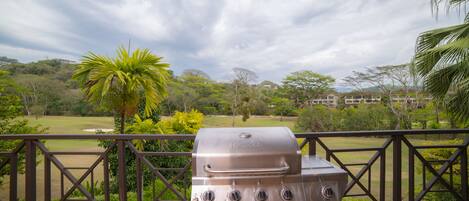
{"points": [[259, 164]]}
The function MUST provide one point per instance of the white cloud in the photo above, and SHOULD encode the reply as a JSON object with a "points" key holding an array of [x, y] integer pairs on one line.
{"points": [[272, 38], [32, 55], [37, 25]]}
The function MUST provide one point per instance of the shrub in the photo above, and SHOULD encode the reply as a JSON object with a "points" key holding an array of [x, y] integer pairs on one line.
{"points": [[443, 154], [180, 123], [318, 118], [10, 109], [434, 125], [364, 117]]}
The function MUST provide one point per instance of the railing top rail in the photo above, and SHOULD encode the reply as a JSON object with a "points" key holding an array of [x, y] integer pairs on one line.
{"points": [[192, 137], [380, 133], [98, 137]]}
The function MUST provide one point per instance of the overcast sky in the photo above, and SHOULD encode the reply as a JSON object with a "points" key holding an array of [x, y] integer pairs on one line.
{"points": [[271, 38]]}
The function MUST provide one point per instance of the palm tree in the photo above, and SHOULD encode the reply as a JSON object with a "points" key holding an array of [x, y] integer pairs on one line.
{"points": [[442, 59], [117, 84]]}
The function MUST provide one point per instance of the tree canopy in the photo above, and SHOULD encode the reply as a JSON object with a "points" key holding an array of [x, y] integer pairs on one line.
{"points": [[442, 59], [302, 86], [118, 83]]}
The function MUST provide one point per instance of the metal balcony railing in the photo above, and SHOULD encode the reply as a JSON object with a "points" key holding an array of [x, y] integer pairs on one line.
{"points": [[395, 141]]}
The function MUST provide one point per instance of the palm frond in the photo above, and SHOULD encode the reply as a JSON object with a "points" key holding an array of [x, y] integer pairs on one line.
{"points": [[117, 82], [458, 103], [442, 59], [439, 82]]}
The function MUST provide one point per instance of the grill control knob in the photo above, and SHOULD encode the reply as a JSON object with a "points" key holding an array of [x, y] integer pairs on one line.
{"points": [[261, 195], [327, 192], [208, 196], [234, 195], [286, 194]]}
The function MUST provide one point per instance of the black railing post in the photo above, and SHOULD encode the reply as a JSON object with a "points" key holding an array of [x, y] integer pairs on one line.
{"points": [[312, 146], [396, 168], [121, 170], [47, 177], [62, 193], [382, 175], [464, 177], [139, 171], [30, 170], [411, 174], [14, 177], [106, 178]]}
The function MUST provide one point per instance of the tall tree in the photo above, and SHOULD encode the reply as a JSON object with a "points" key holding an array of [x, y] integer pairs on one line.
{"points": [[442, 59], [282, 106], [393, 81], [118, 83], [242, 92], [302, 86], [10, 109], [182, 96]]}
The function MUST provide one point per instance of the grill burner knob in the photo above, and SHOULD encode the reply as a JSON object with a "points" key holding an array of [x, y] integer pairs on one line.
{"points": [[261, 195], [234, 195], [286, 194], [327, 192], [208, 196]]}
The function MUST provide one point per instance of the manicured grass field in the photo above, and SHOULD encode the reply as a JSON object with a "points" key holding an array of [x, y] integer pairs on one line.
{"points": [[255, 121], [71, 125], [75, 125]]}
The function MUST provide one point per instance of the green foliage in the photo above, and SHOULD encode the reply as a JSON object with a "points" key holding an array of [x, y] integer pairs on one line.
{"points": [[318, 118], [242, 94], [10, 105], [179, 123], [194, 89], [116, 84], [148, 192], [441, 58], [184, 122], [364, 117], [443, 153], [41, 95], [439, 155], [10, 108], [46, 87], [423, 115], [434, 125], [283, 106], [97, 188], [6, 60], [302, 86]]}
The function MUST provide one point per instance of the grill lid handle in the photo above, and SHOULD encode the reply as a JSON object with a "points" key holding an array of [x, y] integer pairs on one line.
{"points": [[277, 170]]}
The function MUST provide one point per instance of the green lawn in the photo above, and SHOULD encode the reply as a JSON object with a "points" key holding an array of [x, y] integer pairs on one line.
{"points": [[71, 125], [255, 121], [75, 125]]}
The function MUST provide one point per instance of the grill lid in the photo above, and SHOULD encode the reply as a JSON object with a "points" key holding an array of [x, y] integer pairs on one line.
{"points": [[246, 151]]}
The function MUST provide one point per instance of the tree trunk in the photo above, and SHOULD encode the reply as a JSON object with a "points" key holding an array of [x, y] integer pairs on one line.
{"points": [[235, 105], [233, 117], [122, 126]]}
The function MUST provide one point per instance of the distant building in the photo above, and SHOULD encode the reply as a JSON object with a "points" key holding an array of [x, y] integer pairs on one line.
{"points": [[268, 85], [66, 61], [355, 100], [330, 100], [410, 100]]}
